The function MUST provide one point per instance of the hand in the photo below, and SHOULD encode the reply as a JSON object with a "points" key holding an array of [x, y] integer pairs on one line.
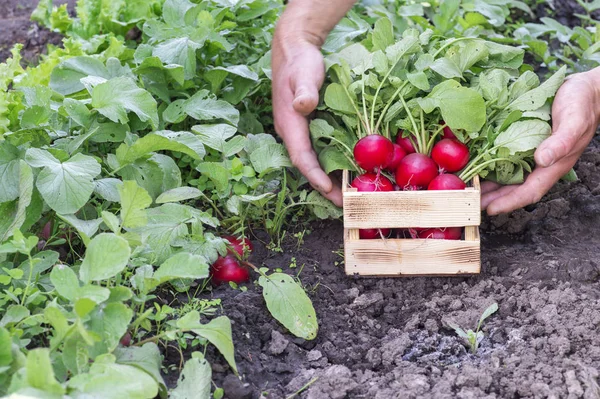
{"points": [[575, 115], [298, 73]]}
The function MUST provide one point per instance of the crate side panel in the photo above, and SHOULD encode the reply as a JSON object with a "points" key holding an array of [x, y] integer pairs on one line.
{"points": [[412, 209], [396, 257]]}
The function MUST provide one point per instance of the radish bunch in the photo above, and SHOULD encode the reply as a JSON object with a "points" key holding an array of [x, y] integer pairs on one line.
{"points": [[399, 166]]}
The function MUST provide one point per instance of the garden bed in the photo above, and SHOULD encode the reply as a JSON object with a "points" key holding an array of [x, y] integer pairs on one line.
{"points": [[384, 338]]}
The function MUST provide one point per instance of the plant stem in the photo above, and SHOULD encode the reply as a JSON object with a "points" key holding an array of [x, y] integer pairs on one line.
{"points": [[389, 104], [420, 141]]}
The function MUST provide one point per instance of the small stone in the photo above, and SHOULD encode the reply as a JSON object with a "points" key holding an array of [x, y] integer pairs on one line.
{"points": [[367, 300], [456, 304], [278, 343], [314, 355]]}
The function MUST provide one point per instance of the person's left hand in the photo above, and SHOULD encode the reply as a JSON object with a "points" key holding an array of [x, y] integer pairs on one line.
{"points": [[576, 115]]}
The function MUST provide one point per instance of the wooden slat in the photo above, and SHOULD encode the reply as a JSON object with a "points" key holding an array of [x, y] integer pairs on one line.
{"points": [[398, 258], [412, 209], [472, 233]]}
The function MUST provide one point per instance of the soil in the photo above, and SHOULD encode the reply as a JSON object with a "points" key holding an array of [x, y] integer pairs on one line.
{"points": [[388, 338]]}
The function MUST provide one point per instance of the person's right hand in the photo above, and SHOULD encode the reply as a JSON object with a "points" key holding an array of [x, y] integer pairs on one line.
{"points": [[298, 73]]}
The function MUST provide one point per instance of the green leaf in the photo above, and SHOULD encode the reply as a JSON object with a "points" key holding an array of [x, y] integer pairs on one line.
{"points": [[269, 157], [523, 136], [218, 333], [383, 34], [6, 357], [40, 374], [490, 310], [65, 282], [215, 136], [178, 194], [201, 106], [462, 108], [289, 304], [117, 96], [110, 323], [65, 186], [194, 381], [182, 265], [134, 201], [337, 99], [87, 228], [332, 158], [66, 77], [108, 380], [9, 172], [185, 142], [322, 207], [14, 216], [217, 173], [106, 256], [346, 30], [14, 314], [146, 358], [537, 97]]}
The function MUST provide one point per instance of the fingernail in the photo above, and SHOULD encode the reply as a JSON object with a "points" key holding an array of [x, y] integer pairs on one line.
{"points": [[547, 157]]}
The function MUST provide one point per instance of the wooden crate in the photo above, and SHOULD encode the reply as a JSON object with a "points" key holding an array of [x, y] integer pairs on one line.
{"points": [[406, 209]]}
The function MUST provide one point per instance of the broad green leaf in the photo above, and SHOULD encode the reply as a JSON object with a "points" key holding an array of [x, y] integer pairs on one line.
{"points": [[65, 282], [178, 194], [447, 68], [106, 256], [66, 77], [118, 96], [217, 173], [493, 83], [65, 186], [134, 201], [383, 34], [537, 97], [156, 174], [40, 374], [6, 357], [215, 136], [13, 216], [269, 157], [87, 228], [146, 358], [462, 108], [108, 380], [110, 323], [194, 381], [337, 99], [322, 207], [218, 333], [408, 45], [203, 107], [240, 70], [108, 188], [523, 136], [9, 172], [182, 265], [346, 30], [289, 304], [332, 158], [185, 142], [78, 111], [14, 314]]}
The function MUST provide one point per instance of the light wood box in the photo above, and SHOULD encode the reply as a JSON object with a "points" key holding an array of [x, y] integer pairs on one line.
{"points": [[411, 209]]}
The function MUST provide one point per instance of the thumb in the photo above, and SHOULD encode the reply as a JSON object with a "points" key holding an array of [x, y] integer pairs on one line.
{"points": [[306, 94], [560, 144]]}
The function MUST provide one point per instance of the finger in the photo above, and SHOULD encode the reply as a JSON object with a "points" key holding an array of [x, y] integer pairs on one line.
{"points": [[538, 183], [305, 83], [489, 197], [570, 122], [488, 186], [293, 129]]}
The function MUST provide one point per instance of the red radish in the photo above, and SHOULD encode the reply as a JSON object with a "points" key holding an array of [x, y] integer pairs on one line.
{"points": [[46, 231], [371, 234], [450, 155], [447, 182], [416, 170], [448, 133], [399, 153], [373, 152], [447, 233], [239, 245], [369, 182], [227, 269], [126, 339], [405, 143]]}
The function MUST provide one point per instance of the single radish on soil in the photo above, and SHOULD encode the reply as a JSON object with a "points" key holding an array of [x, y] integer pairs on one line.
{"points": [[416, 170], [450, 155], [447, 181], [398, 154], [371, 234], [446, 233], [373, 152], [227, 269], [239, 245], [405, 143], [369, 182]]}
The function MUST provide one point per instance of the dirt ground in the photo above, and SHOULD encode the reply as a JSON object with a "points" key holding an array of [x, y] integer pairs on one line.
{"points": [[386, 338]]}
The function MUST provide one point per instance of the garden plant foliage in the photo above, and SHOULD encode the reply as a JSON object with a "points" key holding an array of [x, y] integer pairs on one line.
{"points": [[128, 149]]}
